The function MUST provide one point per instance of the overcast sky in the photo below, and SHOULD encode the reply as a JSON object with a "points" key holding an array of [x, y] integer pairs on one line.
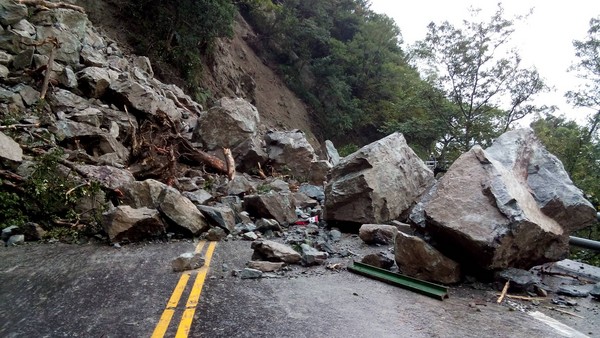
{"points": [[545, 40]]}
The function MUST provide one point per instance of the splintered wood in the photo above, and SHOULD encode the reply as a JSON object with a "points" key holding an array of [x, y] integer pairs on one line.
{"points": [[503, 294]]}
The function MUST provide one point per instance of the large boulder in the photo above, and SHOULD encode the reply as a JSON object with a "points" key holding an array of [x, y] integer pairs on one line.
{"points": [[511, 206], [291, 153], [377, 183], [278, 206], [11, 12], [229, 123], [275, 252]]}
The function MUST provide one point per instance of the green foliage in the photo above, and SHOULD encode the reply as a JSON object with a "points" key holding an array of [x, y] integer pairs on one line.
{"points": [[344, 60], [347, 149], [481, 76], [48, 195], [180, 31], [11, 212]]}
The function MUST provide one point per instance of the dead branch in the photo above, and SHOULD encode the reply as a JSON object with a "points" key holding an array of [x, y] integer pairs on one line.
{"points": [[565, 312], [261, 173], [504, 290], [55, 45], [15, 126], [202, 157], [523, 297], [51, 5], [230, 163]]}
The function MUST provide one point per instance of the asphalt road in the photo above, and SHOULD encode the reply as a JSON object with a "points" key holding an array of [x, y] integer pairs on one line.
{"points": [[94, 290]]}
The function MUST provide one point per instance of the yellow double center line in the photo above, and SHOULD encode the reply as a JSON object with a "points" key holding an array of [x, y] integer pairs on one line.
{"points": [[190, 307]]}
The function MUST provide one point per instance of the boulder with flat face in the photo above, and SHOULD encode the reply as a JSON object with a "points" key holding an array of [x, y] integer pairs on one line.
{"points": [[511, 205], [377, 183]]}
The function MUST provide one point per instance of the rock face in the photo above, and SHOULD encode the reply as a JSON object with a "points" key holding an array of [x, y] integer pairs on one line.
{"points": [[227, 124], [377, 183], [511, 206], [418, 259]]}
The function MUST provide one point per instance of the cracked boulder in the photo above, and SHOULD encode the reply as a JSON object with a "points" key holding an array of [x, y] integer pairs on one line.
{"points": [[227, 124], [376, 184], [512, 205]]}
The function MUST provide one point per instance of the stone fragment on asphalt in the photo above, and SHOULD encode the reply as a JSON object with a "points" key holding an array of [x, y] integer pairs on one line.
{"points": [[312, 256], [265, 266], [248, 273], [250, 236], [275, 252], [187, 261]]}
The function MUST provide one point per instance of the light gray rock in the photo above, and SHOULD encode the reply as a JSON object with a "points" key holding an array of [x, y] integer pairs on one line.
{"points": [[11, 12], [144, 98], [313, 191], [377, 183], [15, 240], [418, 259], [5, 58], [29, 95], [241, 185], [187, 261], [199, 196], [9, 149], [227, 124], [249, 273], [95, 81], [595, 292], [3, 71], [68, 78], [545, 177], [216, 234], [124, 223], [24, 28], [312, 256], [110, 177], [378, 260], [377, 233], [275, 252], [332, 154], [173, 206], [10, 231], [290, 153], [264, 224], [492, 209], [265, 266], [219, 215], [574, 291], [91, 57], [278, 206], [250, 236]]}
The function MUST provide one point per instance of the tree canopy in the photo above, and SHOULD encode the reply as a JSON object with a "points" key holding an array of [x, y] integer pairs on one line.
{"points": [[481, 76]]}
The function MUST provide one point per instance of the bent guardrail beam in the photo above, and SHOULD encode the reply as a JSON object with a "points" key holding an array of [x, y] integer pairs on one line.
{"points": [[426, 288]]}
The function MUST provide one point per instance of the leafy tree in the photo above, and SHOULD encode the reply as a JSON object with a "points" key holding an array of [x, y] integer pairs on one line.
{"points": [[485, 80]]}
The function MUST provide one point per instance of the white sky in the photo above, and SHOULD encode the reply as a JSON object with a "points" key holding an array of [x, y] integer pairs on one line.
{"points": [[544, 40]]}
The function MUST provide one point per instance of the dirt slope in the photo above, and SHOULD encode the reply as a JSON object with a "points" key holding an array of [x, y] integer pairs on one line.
{"points": [[235, 70]]}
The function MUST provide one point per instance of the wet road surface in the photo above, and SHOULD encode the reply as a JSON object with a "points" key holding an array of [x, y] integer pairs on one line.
{"points": [[94, 290]]}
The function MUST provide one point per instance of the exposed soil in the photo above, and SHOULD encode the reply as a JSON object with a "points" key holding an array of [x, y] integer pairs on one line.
{"points": [[235, 70]]}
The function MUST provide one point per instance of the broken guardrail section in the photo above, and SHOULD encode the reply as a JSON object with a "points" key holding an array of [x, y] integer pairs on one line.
{"points": [[426, 288]]}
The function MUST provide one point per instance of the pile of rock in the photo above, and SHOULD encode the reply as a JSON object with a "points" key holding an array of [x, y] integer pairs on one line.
{"points": [[98, 108]]}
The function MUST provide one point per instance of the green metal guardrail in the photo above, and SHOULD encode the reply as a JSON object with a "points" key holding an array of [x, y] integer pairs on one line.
{"points": [[426, 288]]}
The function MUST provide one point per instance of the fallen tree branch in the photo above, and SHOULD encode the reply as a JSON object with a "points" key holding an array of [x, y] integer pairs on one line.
{"points": [[229, 162], [504, 290], [15, 126], [55, 45], [261, 173], [51, 5], [523, 297], [202, 157], [565, 312]]}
